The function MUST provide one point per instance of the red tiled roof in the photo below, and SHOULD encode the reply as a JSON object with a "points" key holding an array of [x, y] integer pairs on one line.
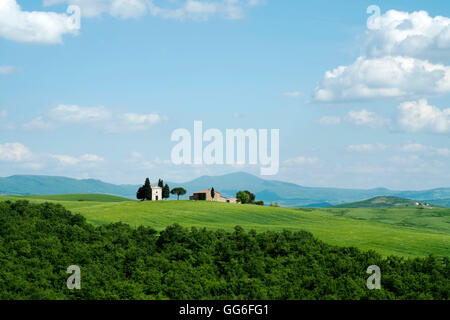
{"points": [[206, 191]]}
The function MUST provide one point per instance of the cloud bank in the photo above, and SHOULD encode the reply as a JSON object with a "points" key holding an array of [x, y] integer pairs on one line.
{"points": [[404, 57], [17, 153], [36, 26], [417, 116], [388, 77], [415, 34]]}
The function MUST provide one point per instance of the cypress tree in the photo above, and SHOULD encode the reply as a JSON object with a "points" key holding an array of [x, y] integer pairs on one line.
{"points": [[140, 194], [166, 192], [147, 190]]}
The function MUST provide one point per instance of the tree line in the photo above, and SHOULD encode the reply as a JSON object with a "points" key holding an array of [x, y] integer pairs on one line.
{"points": [[39, 241]]}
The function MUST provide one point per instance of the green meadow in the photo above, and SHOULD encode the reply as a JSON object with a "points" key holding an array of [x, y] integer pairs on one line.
{"points": [[408, 232]]}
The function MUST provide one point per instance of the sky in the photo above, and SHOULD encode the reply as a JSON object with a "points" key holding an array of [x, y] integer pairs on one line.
{"points": [[94, 89]]}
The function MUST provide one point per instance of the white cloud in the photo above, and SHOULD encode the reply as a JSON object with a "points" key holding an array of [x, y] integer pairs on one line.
{"points": [[6, 69], [412, 116], [86, 160], [357, 117], [180, 10], [38, 123], [19, 154], [366, 147], [203, 10], [89, 8], [76, 114], [386, 77], [416, 116], [401, 51], [65, 160], [137, 121], [36, 26], [14, 152], [413, 147], [128, 8], [98, 117], [443, 151], [415, 34], [69, 114], [293, 94], [301, 161], [428, 150], [366, 118], [117, 8], [330, 120], [91, 158], [33, 165]]}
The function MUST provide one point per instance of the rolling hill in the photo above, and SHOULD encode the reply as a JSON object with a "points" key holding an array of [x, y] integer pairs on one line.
{"points": [[380, 202], [44, 185], [406, 232], [287, 194]]}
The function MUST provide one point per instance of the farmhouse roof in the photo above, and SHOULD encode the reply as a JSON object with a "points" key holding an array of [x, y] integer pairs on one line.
{"points": [[206, 191]]}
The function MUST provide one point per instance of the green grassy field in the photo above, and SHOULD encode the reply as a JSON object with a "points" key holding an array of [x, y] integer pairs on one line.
{"points": [[436, 219], [399, 231]]}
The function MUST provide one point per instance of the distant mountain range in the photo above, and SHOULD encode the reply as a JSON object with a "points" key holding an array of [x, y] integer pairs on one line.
{"points": [[288, 194], [39, 185]]}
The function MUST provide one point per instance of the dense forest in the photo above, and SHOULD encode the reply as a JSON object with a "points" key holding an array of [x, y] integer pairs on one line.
{"points": [[39, 241]]}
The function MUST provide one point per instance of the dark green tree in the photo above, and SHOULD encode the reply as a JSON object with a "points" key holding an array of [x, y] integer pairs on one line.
{"points": [[140, 194], [179, 192], [147, 190], [213, 193], [243, 197], [251, 195], [160, 183], [166, 192], [179, 263]]}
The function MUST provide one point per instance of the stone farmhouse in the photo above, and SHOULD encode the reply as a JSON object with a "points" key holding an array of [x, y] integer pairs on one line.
{"points": [[206, 196]]}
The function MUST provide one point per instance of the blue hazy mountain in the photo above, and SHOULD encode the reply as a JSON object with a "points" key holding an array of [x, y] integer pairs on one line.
{"points": [[291, 194], [38, 185], [285, 193]]}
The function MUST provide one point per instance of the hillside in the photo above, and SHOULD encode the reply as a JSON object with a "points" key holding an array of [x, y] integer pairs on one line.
{"points": [[405, 232], [380, 202], [44, 185], [439, 202], [287, 194], [39, 242]]}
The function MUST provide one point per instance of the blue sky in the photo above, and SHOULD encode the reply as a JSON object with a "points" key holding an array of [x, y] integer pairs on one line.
{"points": [[101, 101]]}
